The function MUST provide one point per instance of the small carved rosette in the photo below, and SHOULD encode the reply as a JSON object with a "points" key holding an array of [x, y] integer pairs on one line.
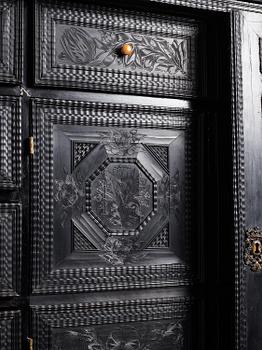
{"points": [[253, 249]]}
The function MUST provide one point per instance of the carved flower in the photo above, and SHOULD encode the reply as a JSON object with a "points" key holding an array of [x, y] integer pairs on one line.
{"points": [[67, 192], [78, 46], [121, 142], [119, 251], [124, 338]]}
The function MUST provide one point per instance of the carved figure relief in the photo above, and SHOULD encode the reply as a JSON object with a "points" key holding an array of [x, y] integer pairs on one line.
{"points": [[157, 335], [101, 48], [121, 196]]}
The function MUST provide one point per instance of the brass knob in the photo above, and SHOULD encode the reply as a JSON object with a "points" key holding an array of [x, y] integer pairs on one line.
{"points": [[127, 49]]}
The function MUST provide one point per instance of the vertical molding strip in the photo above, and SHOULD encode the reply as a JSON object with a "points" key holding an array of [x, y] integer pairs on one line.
{"points": [[238, 181]]}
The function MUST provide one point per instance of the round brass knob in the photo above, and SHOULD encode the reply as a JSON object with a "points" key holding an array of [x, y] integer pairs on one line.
{"points": [[127, 49]]}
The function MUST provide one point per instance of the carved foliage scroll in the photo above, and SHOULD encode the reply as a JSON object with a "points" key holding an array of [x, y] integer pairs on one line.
{"points": [[10, 142], [79, 46], [10, 41], [10, 249]]}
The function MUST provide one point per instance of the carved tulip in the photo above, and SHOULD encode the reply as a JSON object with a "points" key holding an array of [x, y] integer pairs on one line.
{"points": [[78, 46]]}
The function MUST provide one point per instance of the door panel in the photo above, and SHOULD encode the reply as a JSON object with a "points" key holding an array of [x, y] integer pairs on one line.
{"points": [[10, 41], [79, 45], [149, 323], [10, 330], [10, 248], [10, 144], [112, 196]]}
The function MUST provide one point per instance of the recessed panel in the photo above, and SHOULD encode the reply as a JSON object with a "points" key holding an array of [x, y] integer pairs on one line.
{"points": [[111, 197], [10, 142], [10, 41], [10, 248]]}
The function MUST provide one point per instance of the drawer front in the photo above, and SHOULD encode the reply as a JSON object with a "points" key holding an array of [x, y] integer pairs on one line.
{"points": [[132, 324], [10, 330], [112, 196], [10, 41], [115, 50]]}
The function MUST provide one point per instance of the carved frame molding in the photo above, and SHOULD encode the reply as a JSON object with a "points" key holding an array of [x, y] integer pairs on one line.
{"points": [[238, 182], [215, 5]]}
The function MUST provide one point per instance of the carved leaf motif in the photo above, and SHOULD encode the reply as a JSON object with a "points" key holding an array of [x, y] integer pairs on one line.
{"points": [[122, 250], [121, 142], [150, 53], [124, 338], [78, 46]]}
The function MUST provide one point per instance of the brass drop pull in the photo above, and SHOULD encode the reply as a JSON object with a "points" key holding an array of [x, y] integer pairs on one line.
{"points": [[127, 50]]}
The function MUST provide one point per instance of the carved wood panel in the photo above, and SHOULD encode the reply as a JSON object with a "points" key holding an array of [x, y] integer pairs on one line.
{"points": [[133, 324], [10, 41], [10, 248], [111, 196], [10, 142], [78, 45], [10, 330]]}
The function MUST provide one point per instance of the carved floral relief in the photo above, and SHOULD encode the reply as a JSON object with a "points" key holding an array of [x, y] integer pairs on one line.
{"points": [[167, 336], [100, 48]]}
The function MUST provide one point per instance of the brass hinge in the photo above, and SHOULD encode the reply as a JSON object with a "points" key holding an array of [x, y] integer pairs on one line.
{"points": [[31, 145], [30, 343]]}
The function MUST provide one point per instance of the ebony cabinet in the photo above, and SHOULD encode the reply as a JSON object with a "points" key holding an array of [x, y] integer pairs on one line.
{"points": [[129, 175]]}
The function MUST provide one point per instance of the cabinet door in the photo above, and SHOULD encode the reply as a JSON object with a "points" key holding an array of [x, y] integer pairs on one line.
{"points": [[112, 204], [112, 196]]}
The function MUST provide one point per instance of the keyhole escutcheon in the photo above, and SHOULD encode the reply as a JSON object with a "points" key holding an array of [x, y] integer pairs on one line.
{"points": [[257, 247]]}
